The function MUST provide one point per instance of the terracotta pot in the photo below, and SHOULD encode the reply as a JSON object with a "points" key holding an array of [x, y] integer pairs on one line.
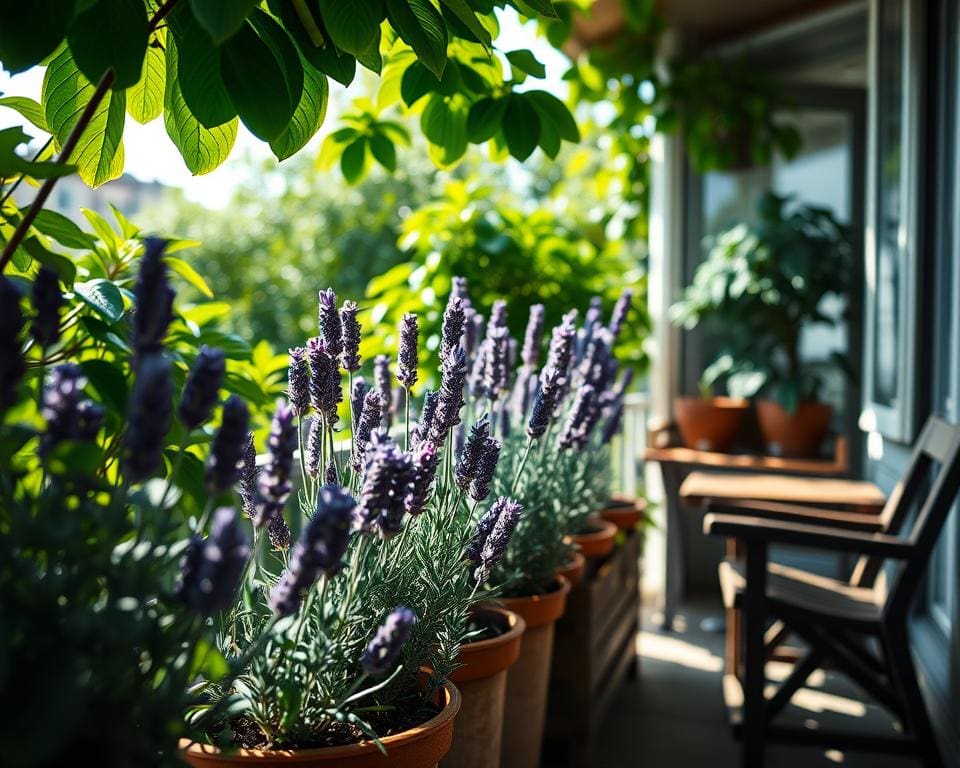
{"points": [[419, 747], [624, 512], [482, 682], [599, 538], [797, 435], [709, 425], [528, 680], [573, 569]]}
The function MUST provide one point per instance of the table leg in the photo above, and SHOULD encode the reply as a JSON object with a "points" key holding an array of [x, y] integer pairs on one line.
{"points": [[674, 555]]}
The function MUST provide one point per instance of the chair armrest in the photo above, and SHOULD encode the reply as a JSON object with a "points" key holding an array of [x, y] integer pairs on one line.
{"points": [[818, 536], [772, 510]]}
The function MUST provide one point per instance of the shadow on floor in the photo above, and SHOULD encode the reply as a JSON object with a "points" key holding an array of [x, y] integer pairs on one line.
{"points": [[673, 716]]}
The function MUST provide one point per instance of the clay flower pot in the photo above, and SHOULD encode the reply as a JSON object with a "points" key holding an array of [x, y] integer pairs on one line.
{"points": [[482, 682], [709, 424], [624, 512], [419, 747], [598, 537], [573, 569], [797, 435], [528, 680]]}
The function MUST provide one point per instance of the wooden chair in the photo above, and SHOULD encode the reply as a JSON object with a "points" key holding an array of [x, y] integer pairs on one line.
{"points": [[858, 626]]}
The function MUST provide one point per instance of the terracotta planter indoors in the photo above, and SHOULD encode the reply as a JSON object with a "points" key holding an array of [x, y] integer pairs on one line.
{"points": [[625, 512], [482, 682], [797, 435], [598, 538], [709, 424], [419, 747], [528, 680], [573, 569]]}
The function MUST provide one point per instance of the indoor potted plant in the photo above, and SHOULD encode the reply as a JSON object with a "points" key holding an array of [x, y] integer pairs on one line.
{"points": [[760, 286]]}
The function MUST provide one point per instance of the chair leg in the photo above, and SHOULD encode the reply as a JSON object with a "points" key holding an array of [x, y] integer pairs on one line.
{"points": [[904, 675], [754, 621]]}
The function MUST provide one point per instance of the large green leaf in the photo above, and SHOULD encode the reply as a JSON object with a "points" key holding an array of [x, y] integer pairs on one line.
{"points": [[353, 25], [110, 34], [202, 149], [145, 99], [550, 107], [485, 118], [542, 7], [341, 66], [421, 26], [521, 126], [221, 18], [28, 109], [63, 230], [525, 61], [444, 123], [12, 164], [353, 161], [462, 10], [102, 296], [284, 50], [308, 116], [198, 71], [254, 77], [32, 30], [66, 92]]}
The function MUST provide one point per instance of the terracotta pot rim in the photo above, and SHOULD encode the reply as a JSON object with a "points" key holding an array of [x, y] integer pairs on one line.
{"points": [[721, 402], [572, 570], [486, 658], [444, 718], [597, 543], [540, 610]]}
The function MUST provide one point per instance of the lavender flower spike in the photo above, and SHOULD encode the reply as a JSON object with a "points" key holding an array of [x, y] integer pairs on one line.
{"points": [[325, 390], [577, 419], [381, 382], [470, 458], [369, 420], [496, 374], [451, 330], [226, 453], [211, 568], [12, 364], [620, 311], [350, 357], [330, 473], [486, 469], [496, 543], [387, 484], [279, 532], [153, 299], [425, 463], [545, 404], [298, 381], [331, 329], [381, 655], [533, 337], [149, 416], [315, 440], [453, 375], [274, 481], [498, 315], [68, 414], [407, 361], [485, 526], [47, 301], [202, 387], [248, 477]]}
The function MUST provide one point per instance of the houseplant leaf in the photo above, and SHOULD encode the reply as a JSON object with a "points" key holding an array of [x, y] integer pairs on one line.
{"points": [[307, 117], [221, 18], [145, 98], [31, 31], [110, 34], [421, 26]]}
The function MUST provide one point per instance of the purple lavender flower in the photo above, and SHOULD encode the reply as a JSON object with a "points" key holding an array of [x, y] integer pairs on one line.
{"points": [[561, 346], [274, 480], [47, 301], [595, 365], [578, 418], [12, 364], [325, 390], [478, 370], [495, 545], [202, 387], [369, 420], [153, 299], [68, 413], [486, 469], [470, 335], [248, 477], [545, 403], [452, 328], [383, 651], [298, 381], [458, 289], [612, 425], [533, 337], [279, 532], [496, 373], [381, 383], [331, 329], [211, 569], [350, 358], [470, 457], [429, 410], [453, 374], [315, 440], [357, 394], [330, 473], [498, 315], [226, 453], [149, 416], [425, 461], [625, 381], [620, 311], [407, 351], [485, 527], [387, 485], [320, 550]]}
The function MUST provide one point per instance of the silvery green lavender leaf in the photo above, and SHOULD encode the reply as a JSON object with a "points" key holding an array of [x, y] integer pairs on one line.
{"points": [[202, 387], [148, 417], [47, 302], [383, 651], [226, 452], [331, 329], [153, 299], [12, 364]]}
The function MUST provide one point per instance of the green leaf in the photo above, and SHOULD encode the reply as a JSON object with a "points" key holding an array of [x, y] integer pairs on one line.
{"points": [[31, 31], [102, 296], [462, 10], [353, 25], [75, 459], [525, 61], [485, 119], [12, 164], [308, 116], [417, 82], [221, 18], [66, 92], [108, 381], [370, 57], [110, 34], [444, 123], [188, 273], [65, 268], [549, 138], [521, 126], [542, 7], [255, 79], [284, 50], [341, 66], [198, 71], [28, 108], [63, 230], [354, 160], [145, 99], [234, 347], [202, 149], [421, 26], [384, 151], [550, 107]]}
